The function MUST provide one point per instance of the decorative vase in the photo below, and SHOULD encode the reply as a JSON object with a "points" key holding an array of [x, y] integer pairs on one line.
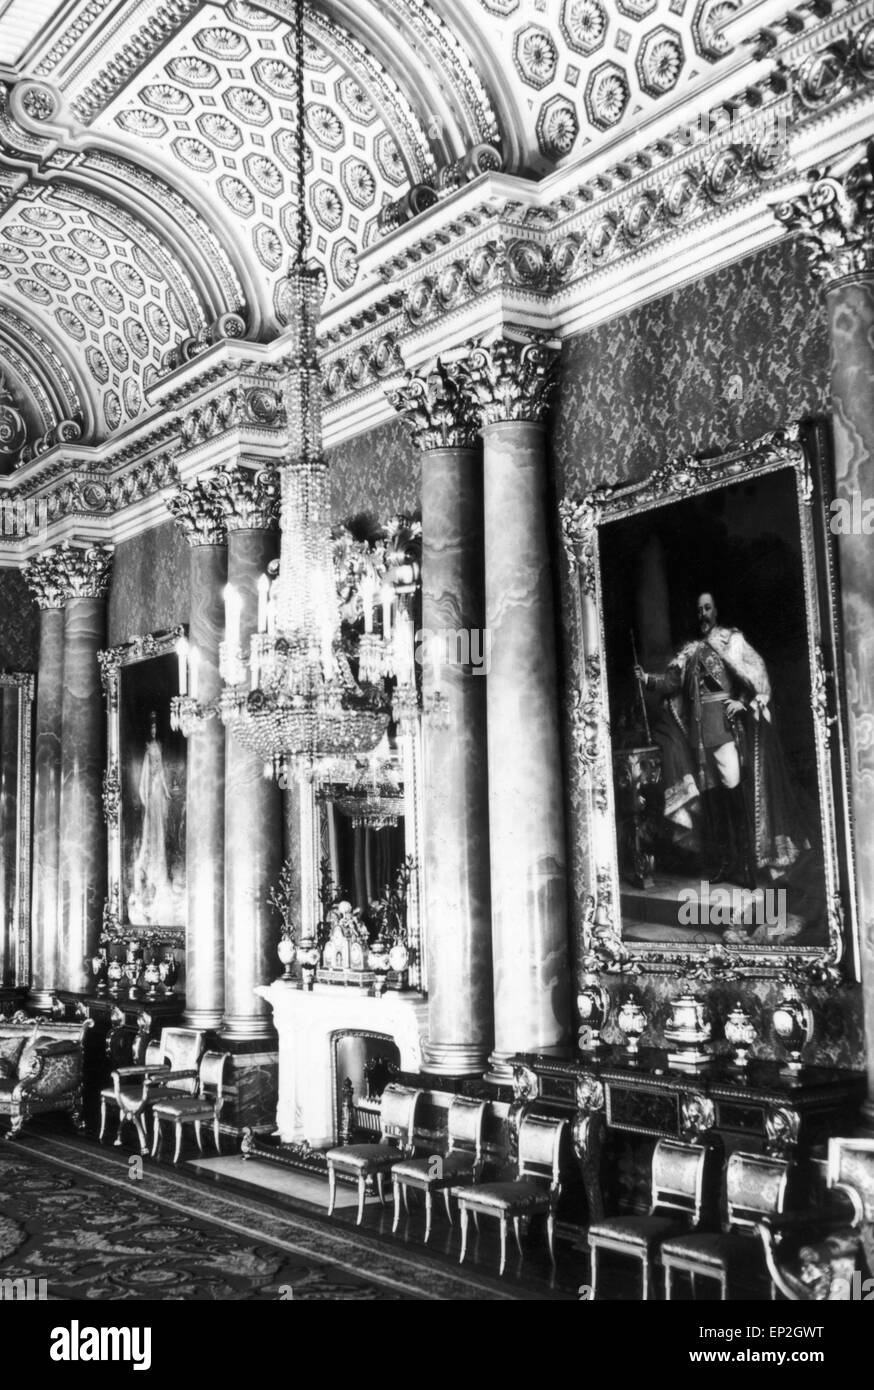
{"points": [[378, 962], [286, 953], [398, 957], [632, 1019], [740, 1031], [152, 977], [688, 1030], [793, 1025], [115, 975], [593, 1005], [308, 956], [169, 971], [100, 970]]}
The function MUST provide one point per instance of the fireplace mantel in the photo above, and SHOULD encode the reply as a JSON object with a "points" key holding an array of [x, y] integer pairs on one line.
{"points": [[305, 1021]]}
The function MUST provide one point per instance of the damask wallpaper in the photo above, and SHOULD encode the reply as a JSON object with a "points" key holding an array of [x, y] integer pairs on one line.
{"points": [[149, 591], [376, 475], [719, 361], [19, 623]]}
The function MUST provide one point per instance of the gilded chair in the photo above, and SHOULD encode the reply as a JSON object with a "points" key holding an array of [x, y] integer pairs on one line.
{"points": [[820, 1254], [535, 1189], [459, 1166], [368, 1162], [204, 1108], [755, 1187], [676, 1204], [170, 1066]]}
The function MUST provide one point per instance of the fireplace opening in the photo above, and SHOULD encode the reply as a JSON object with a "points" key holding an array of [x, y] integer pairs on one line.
{"points": [[364, 1063]]}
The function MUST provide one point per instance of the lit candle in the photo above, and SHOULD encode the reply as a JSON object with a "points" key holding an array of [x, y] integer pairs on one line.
{"points": [[263, 596], [182, 653], [193, 672]]}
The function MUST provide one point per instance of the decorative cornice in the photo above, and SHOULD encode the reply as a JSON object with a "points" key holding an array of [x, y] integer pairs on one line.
{"points": [[510, 380], [65, 572], [834, 220], [198, 513], [436, 410], [247, 500]]}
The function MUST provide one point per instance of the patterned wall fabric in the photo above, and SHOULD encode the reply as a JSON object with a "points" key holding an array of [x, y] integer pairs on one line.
{"points": [[149, 584], [19, 623], [375, 475], [720, 360]]}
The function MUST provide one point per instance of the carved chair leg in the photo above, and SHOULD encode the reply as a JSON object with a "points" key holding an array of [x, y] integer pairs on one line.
{"points": [[119, 1140], [406, 1197], [669, 1273], [156, 1135], [447, 1202], [503, 1241], [217, 1135], [550, 1235], [16, 1126], [593, 1269], [141, 1135], [464, 1219], [199, 1137], [396, 1202], [362, 1182], [380, 1187], [692, 1282], [645, 1278], [332, 1188], [429, 1202], [103, 1114], [517, 1232], [178, 1148], [476, 1220], [723, 1284]]}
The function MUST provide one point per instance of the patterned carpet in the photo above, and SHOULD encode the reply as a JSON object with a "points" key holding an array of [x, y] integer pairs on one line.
{"points": [[71, 1215]]}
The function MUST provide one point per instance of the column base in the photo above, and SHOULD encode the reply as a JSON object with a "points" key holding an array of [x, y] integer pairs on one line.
{"points": [[40, 999], [500, 1070], [210, 1019], [247, 1028], [454, 1059]]}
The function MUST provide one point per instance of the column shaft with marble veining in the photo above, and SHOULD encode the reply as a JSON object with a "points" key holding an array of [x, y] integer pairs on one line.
{"points": [[83, 844], [253, 803], [836, 220], [9, 791], [455, 774], [42, 577], [197, 515], [511, 385]]}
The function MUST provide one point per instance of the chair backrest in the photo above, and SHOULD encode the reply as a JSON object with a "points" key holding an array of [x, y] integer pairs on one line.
{"points": [[467, 1122], [211, 1081], [397, 1113], [678, 1177], [755, 1186], [180, 1049], [851, 1168], [540, 1148]]}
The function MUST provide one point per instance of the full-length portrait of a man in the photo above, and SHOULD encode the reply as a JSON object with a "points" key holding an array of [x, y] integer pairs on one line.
{"points": [[728, 795]]}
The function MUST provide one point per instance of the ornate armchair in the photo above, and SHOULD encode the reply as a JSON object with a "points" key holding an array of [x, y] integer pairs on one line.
{"points": [[204, 1108], [41, 1067], [828, 1256], [755, 1187], [170, 1067], [676, 1204], [536, 1187], [366, 1162], [459, 1166]]}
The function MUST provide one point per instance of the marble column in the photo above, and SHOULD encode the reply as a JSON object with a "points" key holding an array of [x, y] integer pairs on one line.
{"points": [[42, 578], [197, 515], [83, 847], [455, 774], [511, 383], [9, 700], [836, 219], [253, 803]]}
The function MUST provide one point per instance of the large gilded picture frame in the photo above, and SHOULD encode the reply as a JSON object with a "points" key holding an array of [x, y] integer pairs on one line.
{"points": [[710, 726], [144, 791]]}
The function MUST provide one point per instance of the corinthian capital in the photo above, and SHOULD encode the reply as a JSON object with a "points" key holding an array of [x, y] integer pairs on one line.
{"points": [[509, 380], [67, 571], [436, 410], [197, 513], [834, 220], [246, 499]]}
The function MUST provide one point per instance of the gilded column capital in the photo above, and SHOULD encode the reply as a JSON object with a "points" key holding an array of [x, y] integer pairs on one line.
{"points": [[437, 411], [509, 380], [247, 499], [198, 514], [67, 571], [834, 220]]}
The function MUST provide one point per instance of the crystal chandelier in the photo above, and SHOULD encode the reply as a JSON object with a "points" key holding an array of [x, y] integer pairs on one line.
{"points": [[305, 693]]}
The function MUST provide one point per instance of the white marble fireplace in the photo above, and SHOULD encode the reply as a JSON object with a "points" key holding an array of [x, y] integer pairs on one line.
{"points": [[306, 1022]]}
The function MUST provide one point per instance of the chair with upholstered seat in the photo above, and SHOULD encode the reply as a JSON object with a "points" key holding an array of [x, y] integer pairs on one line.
{"points": [[459, 1166], [366, 1162], [170, 1067], [677, 1199], [755, 1187], [536, 1188], [204, 1108]]}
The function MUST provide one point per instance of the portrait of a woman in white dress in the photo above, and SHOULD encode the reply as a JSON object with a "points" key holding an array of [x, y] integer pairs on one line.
{"points": [[156, 883]]}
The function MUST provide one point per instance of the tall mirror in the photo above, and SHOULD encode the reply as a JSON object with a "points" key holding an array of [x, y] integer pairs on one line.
{"points": [[16, 734]]}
